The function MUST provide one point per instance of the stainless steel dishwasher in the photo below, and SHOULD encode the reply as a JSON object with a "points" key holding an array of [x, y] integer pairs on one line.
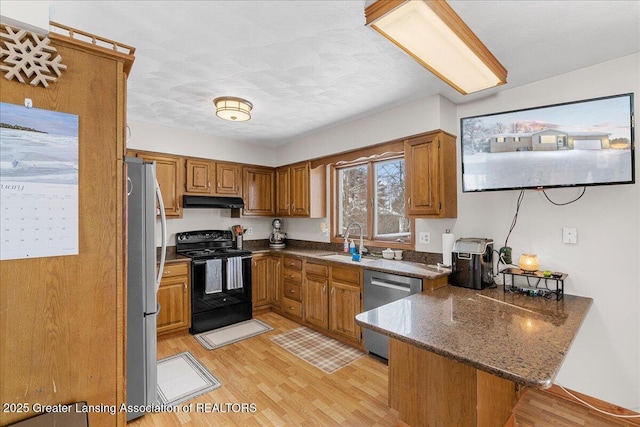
{"points": [[380, 289]]}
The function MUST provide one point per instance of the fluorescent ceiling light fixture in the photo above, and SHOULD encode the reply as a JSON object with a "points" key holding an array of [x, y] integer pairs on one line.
{"points": [[434, 35], [233, 109]]}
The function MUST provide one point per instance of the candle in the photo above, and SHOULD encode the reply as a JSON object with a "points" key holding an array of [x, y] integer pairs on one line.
{"points": [[529, 262]]}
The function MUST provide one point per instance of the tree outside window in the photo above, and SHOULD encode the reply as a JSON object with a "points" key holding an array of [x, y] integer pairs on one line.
{"points": [[372, 194]]}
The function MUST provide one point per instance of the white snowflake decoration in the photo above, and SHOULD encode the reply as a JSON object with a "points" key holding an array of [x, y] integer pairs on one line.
{"points": [[28, 56]]}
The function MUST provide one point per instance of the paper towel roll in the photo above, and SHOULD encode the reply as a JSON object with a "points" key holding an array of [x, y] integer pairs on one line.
{"points": [[447, 246]]}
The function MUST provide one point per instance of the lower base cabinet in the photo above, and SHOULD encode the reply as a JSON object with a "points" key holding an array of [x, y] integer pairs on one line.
{"points": [[266, 282], [332, 299], [174, 298], [345, 302], [423, 385]]}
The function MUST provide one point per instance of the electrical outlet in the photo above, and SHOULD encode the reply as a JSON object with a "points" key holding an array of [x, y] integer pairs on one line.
{"points": [[249, 231], [570, 235], [425, 237]]}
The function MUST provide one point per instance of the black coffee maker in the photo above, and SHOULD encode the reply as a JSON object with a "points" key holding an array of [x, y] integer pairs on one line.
{"points": [[472, 263]]}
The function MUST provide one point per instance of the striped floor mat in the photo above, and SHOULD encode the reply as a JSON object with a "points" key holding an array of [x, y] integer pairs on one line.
{"points": [[182, 377]]}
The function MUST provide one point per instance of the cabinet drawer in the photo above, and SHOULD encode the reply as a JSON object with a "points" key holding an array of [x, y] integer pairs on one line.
{"points": [[292, 290], [292, 263], [292, 276], [175, 269], [349, 275], [317, 269], [292, 307]]}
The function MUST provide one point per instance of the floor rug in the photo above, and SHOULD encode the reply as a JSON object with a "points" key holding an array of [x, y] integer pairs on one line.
{"points": [[181, 377], [232, 333], [319, 350]]}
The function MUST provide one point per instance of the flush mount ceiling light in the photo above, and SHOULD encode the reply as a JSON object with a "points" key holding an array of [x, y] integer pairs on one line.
{"points": [[435, 36], [233, 109]]}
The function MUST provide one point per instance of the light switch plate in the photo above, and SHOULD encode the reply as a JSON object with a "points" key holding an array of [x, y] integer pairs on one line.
{"points": [[424, 237], [570, 235]]}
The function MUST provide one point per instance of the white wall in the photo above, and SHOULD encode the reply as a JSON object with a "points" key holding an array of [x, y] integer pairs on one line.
{"points": [[144, 136], [604, 265], [416, 117], [30, 15]]}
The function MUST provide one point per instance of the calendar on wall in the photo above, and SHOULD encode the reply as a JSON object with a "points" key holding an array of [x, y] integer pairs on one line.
{"points": [[38, 183]]}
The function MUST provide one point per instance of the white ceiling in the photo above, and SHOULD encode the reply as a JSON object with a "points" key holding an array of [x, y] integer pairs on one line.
{"points": [[308, 65]]}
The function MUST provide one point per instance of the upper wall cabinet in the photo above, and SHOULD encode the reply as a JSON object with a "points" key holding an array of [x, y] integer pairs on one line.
{"points": [[209, 177], [258, 185], [431, 186], [169, 176], [301, 191]]}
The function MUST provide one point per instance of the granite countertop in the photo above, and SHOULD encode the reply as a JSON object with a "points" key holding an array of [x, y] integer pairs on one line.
{"points": [[523, 339], [405, 268], [172, 256]]}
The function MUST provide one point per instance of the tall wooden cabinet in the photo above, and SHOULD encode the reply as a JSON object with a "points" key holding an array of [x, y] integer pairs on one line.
{"points": [[301, 191], [169, 176], [431, 180], [63, 317]]}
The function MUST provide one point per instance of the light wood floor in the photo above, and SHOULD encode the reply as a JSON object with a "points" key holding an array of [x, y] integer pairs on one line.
{"points": [[286, 390]]}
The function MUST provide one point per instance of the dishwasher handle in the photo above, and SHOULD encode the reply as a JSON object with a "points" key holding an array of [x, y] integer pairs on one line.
{"points": [[383, 284]]}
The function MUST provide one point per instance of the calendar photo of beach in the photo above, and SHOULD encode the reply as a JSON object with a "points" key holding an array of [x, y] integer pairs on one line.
{"points": [[38, 145]]}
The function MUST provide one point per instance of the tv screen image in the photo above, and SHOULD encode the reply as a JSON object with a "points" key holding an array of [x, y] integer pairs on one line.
{"points": [[581, 143]]}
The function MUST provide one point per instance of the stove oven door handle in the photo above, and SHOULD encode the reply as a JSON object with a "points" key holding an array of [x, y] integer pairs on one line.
{"points": [[163, 225]]}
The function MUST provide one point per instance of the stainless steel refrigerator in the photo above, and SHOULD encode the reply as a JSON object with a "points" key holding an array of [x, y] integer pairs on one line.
{"points": [[142, 282]]}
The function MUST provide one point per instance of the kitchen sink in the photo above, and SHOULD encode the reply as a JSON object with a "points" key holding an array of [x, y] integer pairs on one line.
{"points": [[347, 258]]}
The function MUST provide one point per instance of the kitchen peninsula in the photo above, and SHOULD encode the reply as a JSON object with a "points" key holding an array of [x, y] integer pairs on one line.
{"points": [[463, 355]]}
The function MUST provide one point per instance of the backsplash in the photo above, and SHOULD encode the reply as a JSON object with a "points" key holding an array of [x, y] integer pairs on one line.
{"points": [[413, 256]]}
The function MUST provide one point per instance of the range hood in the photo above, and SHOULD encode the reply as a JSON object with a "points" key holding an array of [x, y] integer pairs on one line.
{"points": [[212, 202]]}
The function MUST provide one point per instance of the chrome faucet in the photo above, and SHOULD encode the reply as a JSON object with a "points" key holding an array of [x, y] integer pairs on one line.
{"points": [[361, 248]]}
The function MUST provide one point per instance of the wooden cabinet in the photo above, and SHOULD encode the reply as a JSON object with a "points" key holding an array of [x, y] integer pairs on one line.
{"points": [[345, 302], [198, 176], [301, 191], [258, 185], [174, 298], [430, 182], [316, 288], [208, 177], [283, 183], [228, 179], [169, 176], [292, 295], [266, 282], [260, 282], [332, 299]]}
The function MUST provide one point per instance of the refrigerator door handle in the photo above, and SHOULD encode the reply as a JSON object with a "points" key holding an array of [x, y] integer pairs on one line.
{"points": [[163, 224]]}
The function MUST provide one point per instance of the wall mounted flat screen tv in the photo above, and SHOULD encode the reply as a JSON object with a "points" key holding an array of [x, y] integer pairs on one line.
{"points": [[574, 144]]}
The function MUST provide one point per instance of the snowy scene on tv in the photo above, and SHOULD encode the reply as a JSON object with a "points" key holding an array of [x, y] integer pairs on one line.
{"points": [[583, 143]]}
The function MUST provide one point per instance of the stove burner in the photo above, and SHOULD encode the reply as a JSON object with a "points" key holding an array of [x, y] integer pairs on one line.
{"points": [[207, 244]]}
